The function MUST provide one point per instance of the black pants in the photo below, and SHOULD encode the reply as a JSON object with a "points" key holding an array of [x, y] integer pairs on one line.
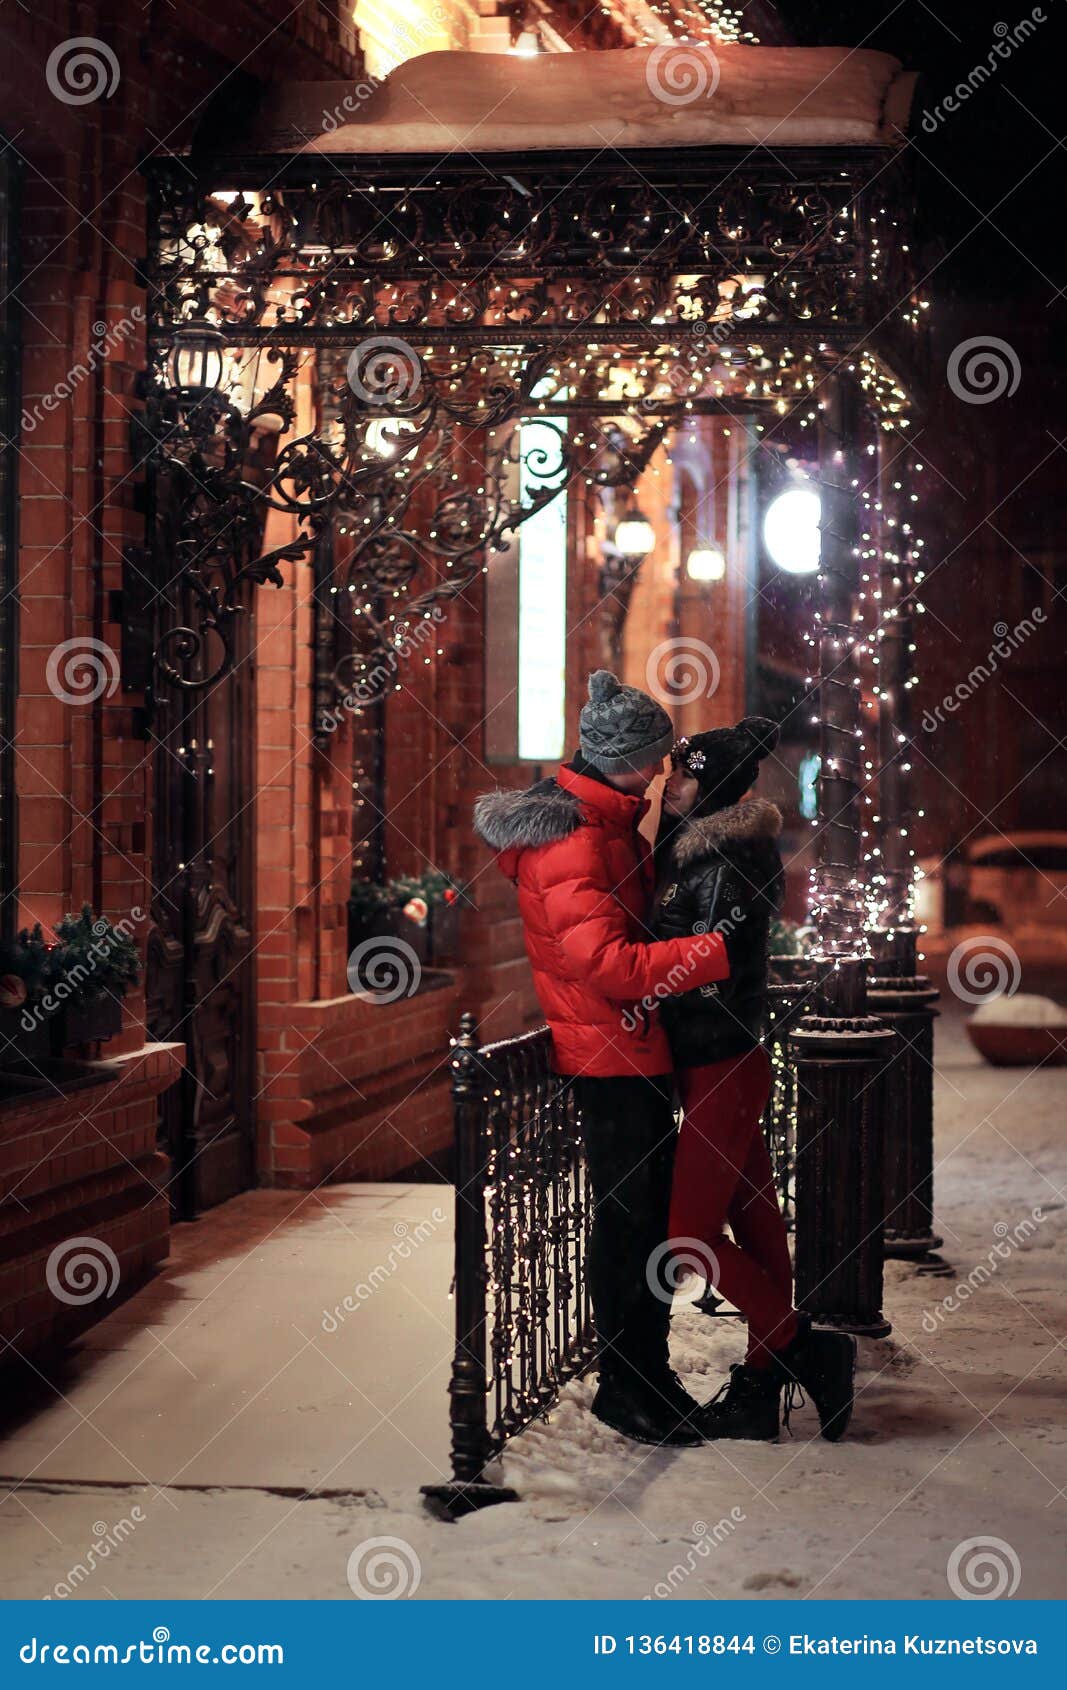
{"points": [[629, 1132]]}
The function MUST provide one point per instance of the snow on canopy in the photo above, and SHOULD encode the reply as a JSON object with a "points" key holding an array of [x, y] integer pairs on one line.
{"points": [[681, 94]]}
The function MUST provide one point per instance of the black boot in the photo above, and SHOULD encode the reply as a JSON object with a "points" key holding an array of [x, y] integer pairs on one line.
{"points": [[747, 1407], [670, 1398], [677, 1397], [638, 1411], [824, 1365]]}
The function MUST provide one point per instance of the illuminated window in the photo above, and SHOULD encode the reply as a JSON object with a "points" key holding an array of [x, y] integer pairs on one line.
{"points": [[542, 612]]}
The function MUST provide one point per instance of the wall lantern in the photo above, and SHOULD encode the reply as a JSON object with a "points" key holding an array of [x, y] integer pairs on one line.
{"points": [[791, 529], [635, 536], [705, 563], [195, 361]]}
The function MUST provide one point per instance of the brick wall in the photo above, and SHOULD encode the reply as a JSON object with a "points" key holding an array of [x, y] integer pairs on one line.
{"points": [[81, 1165], [86, 1161]]}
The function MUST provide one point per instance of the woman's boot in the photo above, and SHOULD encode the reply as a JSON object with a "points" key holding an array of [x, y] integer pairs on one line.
{"points": [[746, 1407], [824, 1365]]}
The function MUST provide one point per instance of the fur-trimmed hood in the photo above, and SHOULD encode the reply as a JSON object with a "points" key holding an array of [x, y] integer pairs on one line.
{"points": [[752, 822], [518, 821]]}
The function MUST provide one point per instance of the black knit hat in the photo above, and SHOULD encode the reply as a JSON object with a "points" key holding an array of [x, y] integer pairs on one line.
{"points": [[726, 761]]}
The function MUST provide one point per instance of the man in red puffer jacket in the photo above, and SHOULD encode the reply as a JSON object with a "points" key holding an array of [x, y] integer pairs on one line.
{"points": [[585, 882]]}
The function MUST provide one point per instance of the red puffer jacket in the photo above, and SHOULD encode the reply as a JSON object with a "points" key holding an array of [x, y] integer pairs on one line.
{"points": [[584, 876]]}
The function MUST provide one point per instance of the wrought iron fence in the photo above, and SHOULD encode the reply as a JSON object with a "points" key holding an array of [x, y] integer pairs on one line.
{"points": [[523, 1209]]}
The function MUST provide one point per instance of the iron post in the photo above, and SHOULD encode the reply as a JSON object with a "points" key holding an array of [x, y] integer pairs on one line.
{"points": [[839, 1048], [902, 996]]}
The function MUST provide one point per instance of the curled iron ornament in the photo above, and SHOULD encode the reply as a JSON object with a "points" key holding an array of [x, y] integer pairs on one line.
{"points": [[466, 524], [213, 493]]}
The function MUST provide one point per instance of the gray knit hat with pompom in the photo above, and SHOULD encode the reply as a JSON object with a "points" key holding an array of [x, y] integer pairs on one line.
{"points": [[621, 729]]}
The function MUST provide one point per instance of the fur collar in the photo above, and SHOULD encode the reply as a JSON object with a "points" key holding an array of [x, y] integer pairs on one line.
{"points": [[510, 820], [748, 823]]}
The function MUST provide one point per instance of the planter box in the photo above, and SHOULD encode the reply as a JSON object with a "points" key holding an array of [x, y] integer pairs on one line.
{"points": [[387, 924], [435, 943], [1005, 1045], [444, 933], [85, 1021], [80, 1022]]}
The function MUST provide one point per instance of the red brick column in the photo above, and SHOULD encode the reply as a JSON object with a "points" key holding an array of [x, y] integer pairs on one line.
{"points": [[87, 1162]]}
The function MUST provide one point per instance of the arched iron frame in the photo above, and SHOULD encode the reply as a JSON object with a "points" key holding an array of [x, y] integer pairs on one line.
{"points": [[439, 299]]}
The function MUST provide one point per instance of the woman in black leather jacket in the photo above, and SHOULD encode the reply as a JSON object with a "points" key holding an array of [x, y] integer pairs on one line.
{"points": [[719, 870]]}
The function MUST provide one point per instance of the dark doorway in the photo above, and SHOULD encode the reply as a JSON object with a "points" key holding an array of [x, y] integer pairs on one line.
{"points": [[201, 974]]}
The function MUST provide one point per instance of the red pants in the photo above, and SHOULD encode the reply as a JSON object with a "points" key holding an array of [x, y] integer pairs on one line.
{"points": [[722, 1173]]}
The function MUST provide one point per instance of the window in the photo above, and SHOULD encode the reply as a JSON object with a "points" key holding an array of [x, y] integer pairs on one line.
{"points": [[526, 615], [542, 615]]}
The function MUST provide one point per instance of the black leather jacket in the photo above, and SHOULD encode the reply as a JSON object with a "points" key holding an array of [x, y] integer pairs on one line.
{"points": [[721, 873]]}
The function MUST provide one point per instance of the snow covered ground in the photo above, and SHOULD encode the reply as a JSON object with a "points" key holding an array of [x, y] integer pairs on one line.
{"points": [[959, 1434]]}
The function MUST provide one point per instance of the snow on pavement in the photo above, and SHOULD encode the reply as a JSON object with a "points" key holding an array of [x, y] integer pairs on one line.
{"points": [[959, 1434]]}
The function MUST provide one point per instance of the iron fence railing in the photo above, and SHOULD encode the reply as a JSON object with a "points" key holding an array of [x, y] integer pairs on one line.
{"points": [[523, 1211]]}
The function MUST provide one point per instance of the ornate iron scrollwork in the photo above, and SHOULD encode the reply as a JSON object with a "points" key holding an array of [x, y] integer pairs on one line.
{"points": [[216, 479], [487, 248], [416, 512], [496, 285]]}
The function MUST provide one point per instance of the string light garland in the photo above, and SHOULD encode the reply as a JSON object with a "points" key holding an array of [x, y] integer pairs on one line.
{"points": [[697, 19], [900, 573], [889, 553]]}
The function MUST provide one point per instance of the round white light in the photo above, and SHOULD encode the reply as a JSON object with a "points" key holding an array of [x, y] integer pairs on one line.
{"points": [[791, 530], [635, 536], [705, 563]]}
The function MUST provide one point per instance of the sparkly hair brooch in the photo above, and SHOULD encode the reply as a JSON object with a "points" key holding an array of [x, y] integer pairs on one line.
{"points": [[685, 757]]}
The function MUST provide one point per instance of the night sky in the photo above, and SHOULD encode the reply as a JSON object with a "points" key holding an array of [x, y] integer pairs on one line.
{"points": [[999, 156], [990, 181]]}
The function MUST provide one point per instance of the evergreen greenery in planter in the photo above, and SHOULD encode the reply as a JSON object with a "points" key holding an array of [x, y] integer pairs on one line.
{"points": [[59, 992]]}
